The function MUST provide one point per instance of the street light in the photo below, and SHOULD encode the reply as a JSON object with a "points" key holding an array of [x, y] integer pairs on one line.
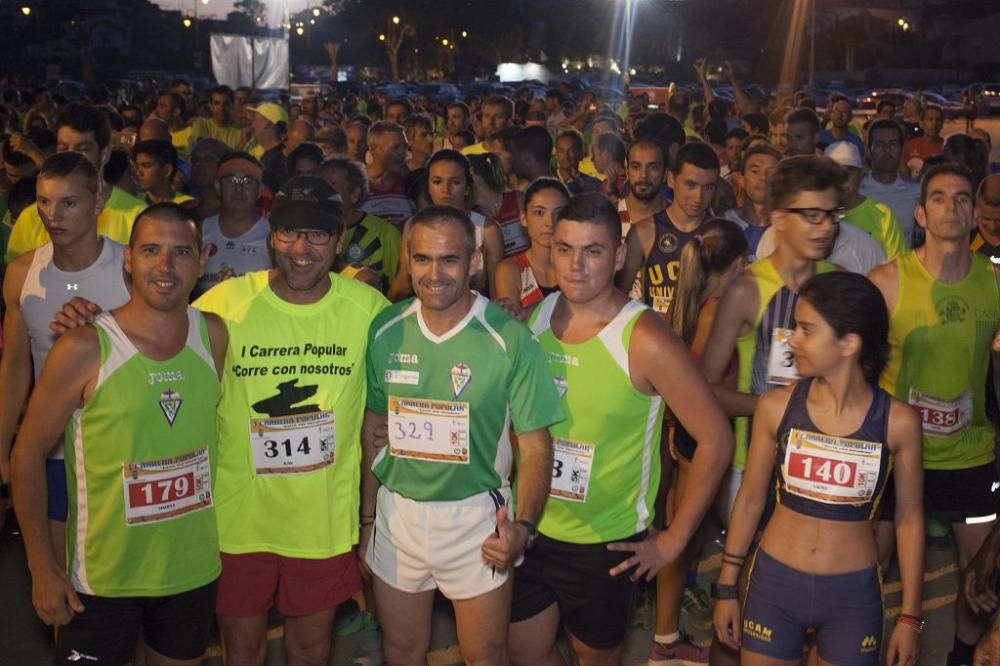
{"points": [[26, 10], [316, 11], [300, 30], [187, 22], [381, 37], [395, 20], [465, 34], [444, 42]]}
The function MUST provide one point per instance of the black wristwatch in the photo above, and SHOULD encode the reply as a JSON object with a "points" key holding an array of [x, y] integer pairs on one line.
{"points": [[532, 533], [724, 591]]}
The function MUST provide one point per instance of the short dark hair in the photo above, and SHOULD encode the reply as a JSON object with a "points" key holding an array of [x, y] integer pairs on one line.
{"points": [[803, 173], [662, 128], [542, 184], [758, 122], [766, 149], [885, 124], [62, 165], [415, 119], [737, 133], [534, 141], [459, 105], [554, 93], [221, 90], [433, 214], [403, 102], [84, 118], [168, 211], [696, 154], [715, 131], [304, 151], [884, 103], [679, 103], [574, 134], [357, 177], [159, 149], [613, 144], [850, 303], [803, 116], [945, 169], [593, 208], [501, 100]]}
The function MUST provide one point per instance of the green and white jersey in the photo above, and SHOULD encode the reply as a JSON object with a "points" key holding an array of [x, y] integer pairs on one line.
{"points": [[450, 399], [606, 467], [140, 459]]}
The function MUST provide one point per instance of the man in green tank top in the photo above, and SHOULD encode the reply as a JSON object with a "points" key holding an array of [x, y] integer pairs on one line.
{"points": [[944, 308], [448, 372], [614, 363], [139, 388]]}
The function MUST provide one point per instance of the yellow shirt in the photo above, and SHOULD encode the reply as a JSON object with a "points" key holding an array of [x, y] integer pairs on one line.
{"points": [[474, 149], [232, 135], [114, 222], [588, 169], [181, 139]]}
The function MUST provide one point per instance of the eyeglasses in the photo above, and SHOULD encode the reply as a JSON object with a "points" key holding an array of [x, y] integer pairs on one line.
{"points": [[818, 215], [238, 180], [312, 236]]}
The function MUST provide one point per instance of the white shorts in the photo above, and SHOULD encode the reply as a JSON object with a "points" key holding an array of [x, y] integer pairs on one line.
{"points": [[420, 546]]}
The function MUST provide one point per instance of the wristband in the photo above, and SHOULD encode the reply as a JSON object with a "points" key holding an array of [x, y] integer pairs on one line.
{"points": [[917, 623], [724, 591]]}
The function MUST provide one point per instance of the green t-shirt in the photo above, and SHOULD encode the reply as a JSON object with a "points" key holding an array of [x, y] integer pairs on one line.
{"points": [[450, 399], [878, 221], [293, 396], [140, 461], [606, 465]]}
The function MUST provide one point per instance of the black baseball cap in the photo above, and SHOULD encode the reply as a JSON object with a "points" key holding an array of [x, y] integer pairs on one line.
{"points": [[307, 202]]}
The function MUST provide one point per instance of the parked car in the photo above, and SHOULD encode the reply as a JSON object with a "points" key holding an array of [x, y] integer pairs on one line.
{"points": [[440, 93]]}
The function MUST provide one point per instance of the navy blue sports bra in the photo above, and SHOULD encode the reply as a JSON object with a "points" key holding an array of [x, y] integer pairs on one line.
{"points": [[834, 478]]}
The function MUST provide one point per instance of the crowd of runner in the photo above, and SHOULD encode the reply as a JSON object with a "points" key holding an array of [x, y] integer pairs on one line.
{"points": [[518, 352]]}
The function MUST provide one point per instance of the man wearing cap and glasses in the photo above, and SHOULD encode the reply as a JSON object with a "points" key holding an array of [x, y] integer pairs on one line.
{"points": [[235, 240], [289, 464]]}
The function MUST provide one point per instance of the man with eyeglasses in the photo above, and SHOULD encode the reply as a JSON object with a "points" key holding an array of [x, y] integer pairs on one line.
{"points": [[289, 464], [755, 317], [235, 240]]}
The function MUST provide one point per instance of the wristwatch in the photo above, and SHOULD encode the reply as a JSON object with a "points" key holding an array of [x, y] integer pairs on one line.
{"points": [[532, 533]]}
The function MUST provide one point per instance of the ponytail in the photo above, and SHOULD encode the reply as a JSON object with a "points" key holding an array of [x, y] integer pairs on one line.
{"points": [[720, 243]]}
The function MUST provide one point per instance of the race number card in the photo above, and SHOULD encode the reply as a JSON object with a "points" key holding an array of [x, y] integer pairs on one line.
{"points": [[832, 470], [942, 417], [571, 464], [166, 488], [433, 430], [781, 368], [296, 444]]}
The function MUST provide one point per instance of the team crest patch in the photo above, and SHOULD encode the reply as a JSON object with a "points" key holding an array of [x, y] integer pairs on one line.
{"points": [[461, 375], [355, 252], [170, 404], [561, 385], [667, 243]]}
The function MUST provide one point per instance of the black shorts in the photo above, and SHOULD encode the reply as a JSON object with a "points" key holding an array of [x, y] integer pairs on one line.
{"points": [[593, 605], [959, 495], [176, 626]]}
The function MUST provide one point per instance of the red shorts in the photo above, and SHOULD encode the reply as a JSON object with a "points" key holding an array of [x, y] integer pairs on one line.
{"points": [[252, 583]]}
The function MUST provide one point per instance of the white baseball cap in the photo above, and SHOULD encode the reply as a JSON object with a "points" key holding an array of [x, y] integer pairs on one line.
{"points": [[845, 154]]}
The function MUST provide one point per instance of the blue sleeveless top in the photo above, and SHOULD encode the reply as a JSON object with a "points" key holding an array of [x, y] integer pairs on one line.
{"points": [[828, 477]]}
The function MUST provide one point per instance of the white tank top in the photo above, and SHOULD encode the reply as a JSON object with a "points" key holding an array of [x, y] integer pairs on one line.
{"points": [[232, 257], [46, 288]]}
